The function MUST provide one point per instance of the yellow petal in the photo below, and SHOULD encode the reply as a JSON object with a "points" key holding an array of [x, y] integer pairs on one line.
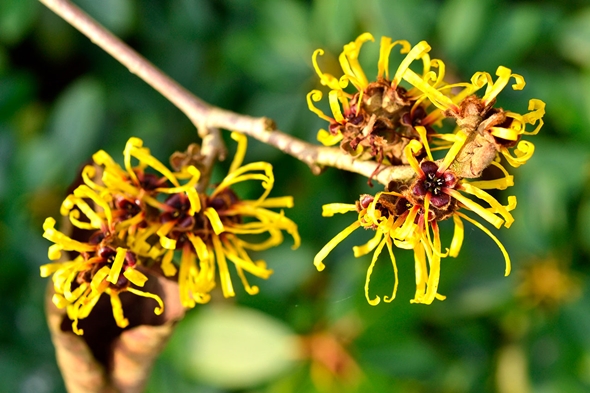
{"points": [[240, 151], [325, 79], [460, 138], [117, 265], [120, 319], [214, 220], [410, 150], [377, 299], [158, 310], [458, 235], [315, 96], [494, 238], [416, 52], [384, 51], [166, 265], [440, 100], [328, 139], [135, 277], [200, 247], [224, 277], [359, 251], [476, 208], [323, 253], [421, 273], [328, 210], [389, 299], [523, 152], [494, 204]]}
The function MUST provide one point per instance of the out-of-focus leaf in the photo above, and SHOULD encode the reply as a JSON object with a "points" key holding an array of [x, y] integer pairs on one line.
{"points": [[72, 132], [400, 20], [234, 347], [574, 38], [545, 187], [567, 95], [116, 15], [16, 17], [511, 35], [405, 356], [3, 61], [192, 18], [461, 24], [15, 90], [290, 268], [333, 22]]}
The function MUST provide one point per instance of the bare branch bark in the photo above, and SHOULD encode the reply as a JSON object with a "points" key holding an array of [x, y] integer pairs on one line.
{"points": [[205, 116]]}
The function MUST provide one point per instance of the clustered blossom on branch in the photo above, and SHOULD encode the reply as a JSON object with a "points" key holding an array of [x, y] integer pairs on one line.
{"points": [[388, 123], [145, 215]]}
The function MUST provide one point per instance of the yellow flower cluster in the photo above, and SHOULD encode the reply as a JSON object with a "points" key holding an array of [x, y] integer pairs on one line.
{"points": [[391, 124], [138, 215]]}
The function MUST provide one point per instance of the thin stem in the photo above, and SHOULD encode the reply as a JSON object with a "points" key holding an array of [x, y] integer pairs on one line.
{"points": [[207, 117]]}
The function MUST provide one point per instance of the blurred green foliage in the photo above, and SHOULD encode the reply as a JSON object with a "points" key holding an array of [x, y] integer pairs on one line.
{"points": [[62, 98]]}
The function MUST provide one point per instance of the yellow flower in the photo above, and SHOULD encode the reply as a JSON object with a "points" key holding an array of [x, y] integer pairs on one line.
{"points": [[478, 118], [369, 217], [98, 267], [379, 119], [215, 236], [408, 217], [144, 211], [548, 283]]}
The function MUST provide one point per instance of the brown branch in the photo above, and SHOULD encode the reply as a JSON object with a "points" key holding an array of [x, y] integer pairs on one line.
{"points": [[205, 116]]}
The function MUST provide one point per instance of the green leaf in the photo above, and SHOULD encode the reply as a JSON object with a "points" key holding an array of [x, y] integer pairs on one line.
{"points": [[401, 20], [517, 29], [234, 347], [16, 17], [461, 24], [574, 38], [116, 15], [73, 129]]}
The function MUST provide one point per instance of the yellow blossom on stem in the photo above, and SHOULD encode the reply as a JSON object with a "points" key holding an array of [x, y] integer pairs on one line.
{"points": [[213, 240]]}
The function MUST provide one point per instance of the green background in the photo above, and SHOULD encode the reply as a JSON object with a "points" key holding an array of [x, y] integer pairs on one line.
{"points": [[62, 98]]}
